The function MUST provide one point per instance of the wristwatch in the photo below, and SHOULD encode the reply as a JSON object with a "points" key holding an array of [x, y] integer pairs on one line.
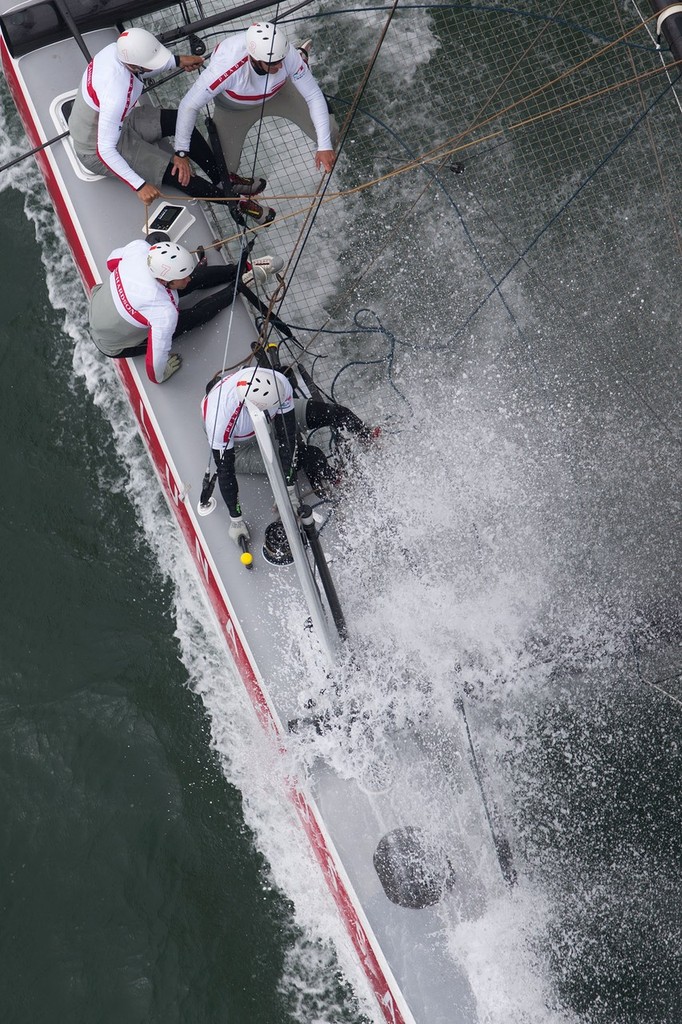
{"points": [[181, 153]]}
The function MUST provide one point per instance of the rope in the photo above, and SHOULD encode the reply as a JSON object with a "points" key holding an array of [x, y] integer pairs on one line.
{"points": [[307, 226], [655, 683], [419, 163]]}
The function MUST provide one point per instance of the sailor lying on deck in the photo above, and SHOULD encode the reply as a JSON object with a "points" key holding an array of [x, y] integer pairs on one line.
{"points": [[113, 136], [137, 311], [230, 432], [258, 73]]}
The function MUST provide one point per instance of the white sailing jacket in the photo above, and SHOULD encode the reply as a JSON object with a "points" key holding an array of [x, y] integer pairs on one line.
{"points": [[143, 301], [108, 88], [230, 71], [226, 417]]}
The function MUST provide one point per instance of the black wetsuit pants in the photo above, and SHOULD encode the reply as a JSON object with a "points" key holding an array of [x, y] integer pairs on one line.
{"points": [[322, 414], [203, 310], [201, 154]]}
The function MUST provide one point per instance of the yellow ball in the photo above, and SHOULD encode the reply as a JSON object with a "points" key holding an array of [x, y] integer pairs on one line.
{"points": [[246, 558]]}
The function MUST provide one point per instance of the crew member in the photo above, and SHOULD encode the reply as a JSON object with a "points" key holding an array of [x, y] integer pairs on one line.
{"points": [[115, 137], [231, 434], [256, 73], [137, 311]]}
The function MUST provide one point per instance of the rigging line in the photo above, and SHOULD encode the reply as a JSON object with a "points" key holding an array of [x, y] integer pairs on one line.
{"points": [[536, 92], [435, 153], [534, 119], [240, 264], [245, 228], [348, 120], [660, 689], [240, 11], [432, 156], [479, 256], [609, 356], [276, 299], [556, 216], [261, 114], [555, 298], [531, 46], [654, 683], [652, 142]]}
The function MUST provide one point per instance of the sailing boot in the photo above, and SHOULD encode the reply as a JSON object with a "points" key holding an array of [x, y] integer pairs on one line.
{"points": [[246, 186], [257, 214]]}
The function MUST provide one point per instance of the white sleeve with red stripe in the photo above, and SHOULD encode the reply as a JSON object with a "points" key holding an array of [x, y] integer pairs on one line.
{"points": [[190, 105], [304, 80], [204, 89], [113, 91], [163, 319]]}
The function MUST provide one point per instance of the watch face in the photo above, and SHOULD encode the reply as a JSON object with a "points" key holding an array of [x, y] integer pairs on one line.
{"points": [[181, 153]]}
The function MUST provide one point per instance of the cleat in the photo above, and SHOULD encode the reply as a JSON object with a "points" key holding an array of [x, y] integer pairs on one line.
{"points": [[246, 186], [259, 214]]}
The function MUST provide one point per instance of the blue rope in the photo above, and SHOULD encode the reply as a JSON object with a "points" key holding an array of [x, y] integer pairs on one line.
{"points": [[569, 201], [389, 358], [479, 255]]}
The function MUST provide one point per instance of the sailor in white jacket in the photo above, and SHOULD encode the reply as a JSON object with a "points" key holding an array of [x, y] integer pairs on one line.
{"points": [[113, 135], [257, 73], [232, 437], [137, 311]]}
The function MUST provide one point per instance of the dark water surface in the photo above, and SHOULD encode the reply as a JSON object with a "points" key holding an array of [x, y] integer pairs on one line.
{"points": [[129, 888]]}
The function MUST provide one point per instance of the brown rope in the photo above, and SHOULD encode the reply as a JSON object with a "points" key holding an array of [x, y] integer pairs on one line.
{"points": [[431, 156], [317, 202], [439, 154]]}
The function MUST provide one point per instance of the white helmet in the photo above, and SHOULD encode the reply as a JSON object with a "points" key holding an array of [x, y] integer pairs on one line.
{"points": [[258, 386], [169, 262], [139, 47], [266, 42]]}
